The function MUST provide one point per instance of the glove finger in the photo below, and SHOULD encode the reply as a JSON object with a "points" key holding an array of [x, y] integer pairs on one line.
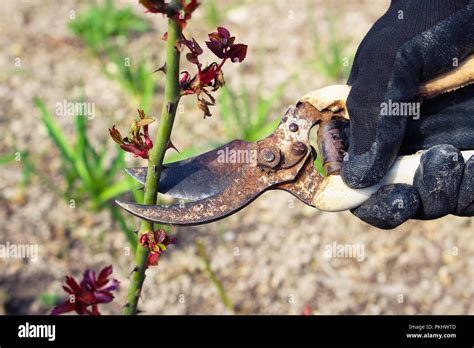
{"points": [[455, 130], [370, 156], [437, 180], [459, 101], [447, 119], [390, 206], [465, 205]]}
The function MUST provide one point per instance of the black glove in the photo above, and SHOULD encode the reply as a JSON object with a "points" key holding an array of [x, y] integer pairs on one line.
{"points": [[412, 43], [443, 183]]}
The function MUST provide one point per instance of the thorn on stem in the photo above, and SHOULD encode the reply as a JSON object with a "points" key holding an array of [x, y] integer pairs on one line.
{"points": [[138, 293], [169, 107], [163, 68], [178, 46], [133, 270], [171, 146]]}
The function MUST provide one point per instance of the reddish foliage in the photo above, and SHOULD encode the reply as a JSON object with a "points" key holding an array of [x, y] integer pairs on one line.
{"points": [[210, 78], [156, 242], [139, 143], [89, 293], [181, 16]]}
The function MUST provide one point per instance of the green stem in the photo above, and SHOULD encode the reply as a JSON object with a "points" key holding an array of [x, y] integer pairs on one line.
{"points": [[157, 154]]}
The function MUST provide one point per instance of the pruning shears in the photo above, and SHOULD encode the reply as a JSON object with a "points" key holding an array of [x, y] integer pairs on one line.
{"points": [[220, 182]]}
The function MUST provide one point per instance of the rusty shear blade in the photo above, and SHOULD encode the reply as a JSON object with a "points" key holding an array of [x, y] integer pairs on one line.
{"points": [[201, 176], [247, 183], [234, 197]]}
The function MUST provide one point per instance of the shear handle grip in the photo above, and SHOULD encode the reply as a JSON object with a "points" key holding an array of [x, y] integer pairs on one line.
{"points": [[334, 195]]}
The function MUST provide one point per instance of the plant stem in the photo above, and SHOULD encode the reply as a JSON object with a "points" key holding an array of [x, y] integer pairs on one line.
{"points": [[157, 154]]}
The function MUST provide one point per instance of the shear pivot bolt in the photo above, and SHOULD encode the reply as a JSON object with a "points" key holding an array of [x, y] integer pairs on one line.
{"points": [[268, 158], [268, 155], [293, 127]]}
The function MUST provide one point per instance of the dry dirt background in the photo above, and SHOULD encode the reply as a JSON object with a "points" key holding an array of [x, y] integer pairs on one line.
{"points": [[281, 266]]}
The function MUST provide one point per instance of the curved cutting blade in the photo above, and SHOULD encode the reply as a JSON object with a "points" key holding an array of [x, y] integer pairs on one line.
{"points": [[200, 176], [194, 213], [244, 186]]}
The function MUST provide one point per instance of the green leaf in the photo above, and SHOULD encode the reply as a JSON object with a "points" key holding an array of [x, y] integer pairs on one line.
{"points": [[115, 190], [100, 26], [49, 300], [54, 131], [98, 160]]}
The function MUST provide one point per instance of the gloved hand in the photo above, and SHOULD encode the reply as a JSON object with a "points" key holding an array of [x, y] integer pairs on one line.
{"points": [[414, 41]]}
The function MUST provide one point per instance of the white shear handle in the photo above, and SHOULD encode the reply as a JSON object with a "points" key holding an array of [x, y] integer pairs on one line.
{"points": [[334, 195]]}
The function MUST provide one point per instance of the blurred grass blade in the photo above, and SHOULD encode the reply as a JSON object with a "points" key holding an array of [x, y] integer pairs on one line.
{"points": [[7, 158], [213, 15], [66, 151], [263, 131], [213, 277], [247, 111], [129, 234], [115, 190], [80, 156], [98, 159]]}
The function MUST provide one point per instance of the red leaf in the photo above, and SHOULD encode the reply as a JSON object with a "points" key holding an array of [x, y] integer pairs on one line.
{"points": [[185, 78], [136, 151], [192, 58], [153, 259], [191, 6], [215, 36], [65, 307], [197, 49], [159, 236], [216, 48], [155, 6], [224, 32], [208, 74], [237, 53], [104, 274], [71, 282], [231, 41]]}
